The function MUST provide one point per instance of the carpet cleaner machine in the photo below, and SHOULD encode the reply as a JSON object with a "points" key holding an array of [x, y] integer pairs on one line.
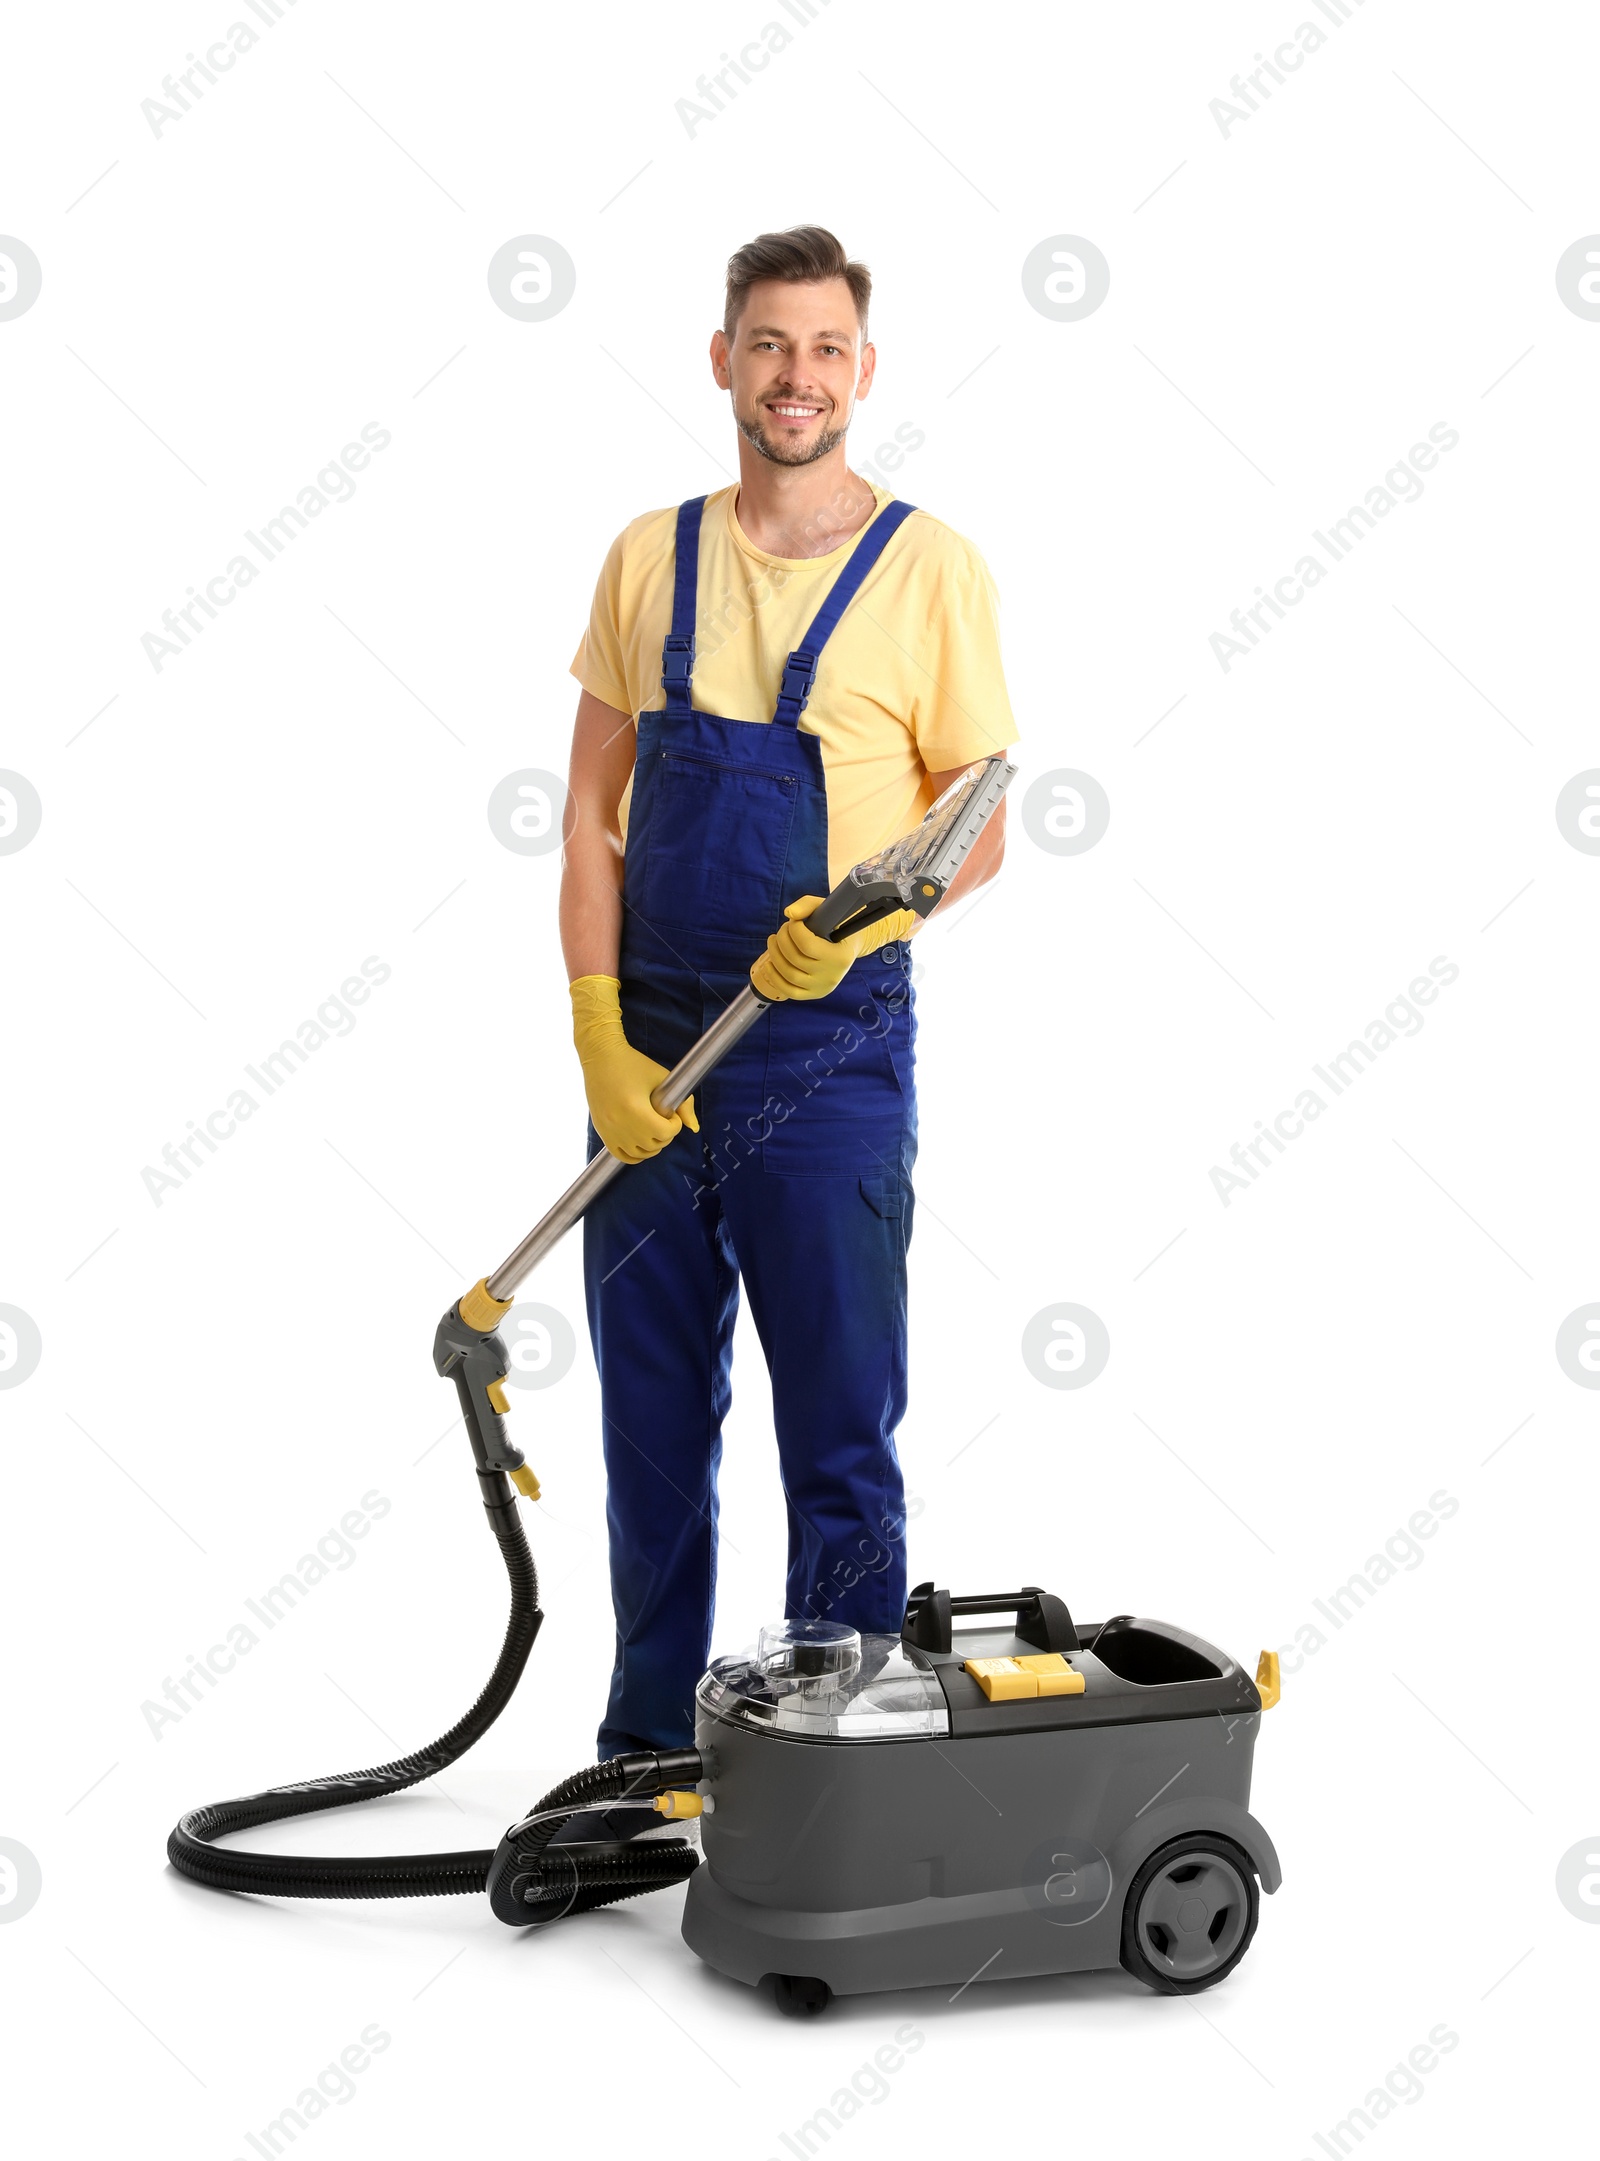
{"points": [[1017, 1795]]}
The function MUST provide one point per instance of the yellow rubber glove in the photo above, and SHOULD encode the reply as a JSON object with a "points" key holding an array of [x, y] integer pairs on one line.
{"points": [[799, 964], [617, 1079]]}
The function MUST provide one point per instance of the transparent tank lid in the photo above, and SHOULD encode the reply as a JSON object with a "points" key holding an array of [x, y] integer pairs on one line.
{"points": [[818, 1681]]}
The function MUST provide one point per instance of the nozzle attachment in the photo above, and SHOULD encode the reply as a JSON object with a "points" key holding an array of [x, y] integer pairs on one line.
{"points": [[917, 871]]}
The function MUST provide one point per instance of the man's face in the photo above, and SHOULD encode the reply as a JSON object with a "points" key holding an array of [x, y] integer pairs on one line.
{"points": [[795, 366]]}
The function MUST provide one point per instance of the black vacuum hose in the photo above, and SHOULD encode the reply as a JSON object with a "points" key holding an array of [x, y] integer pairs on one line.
{"points": [[571, 1880], [398, 1875], [529, 1882]]}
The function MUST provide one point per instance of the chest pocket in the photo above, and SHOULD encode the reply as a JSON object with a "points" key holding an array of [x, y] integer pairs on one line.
{"points": [[718, 846]]}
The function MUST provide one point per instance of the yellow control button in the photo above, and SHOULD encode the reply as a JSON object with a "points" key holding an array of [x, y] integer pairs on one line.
{"points": [[1056, 1677], [1002, 1679], [1008, 1680], [496, 1392]]}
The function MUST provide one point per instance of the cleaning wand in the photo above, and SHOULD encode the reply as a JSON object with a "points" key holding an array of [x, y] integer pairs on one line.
{"points": [[915, 872]]}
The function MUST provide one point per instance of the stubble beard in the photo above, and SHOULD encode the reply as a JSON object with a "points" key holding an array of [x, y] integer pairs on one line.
{"points": [[781, 453]]}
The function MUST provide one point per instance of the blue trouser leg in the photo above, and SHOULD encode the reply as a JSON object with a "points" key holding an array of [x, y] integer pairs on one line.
{"points": [[662, 1294], [823, 1258]]}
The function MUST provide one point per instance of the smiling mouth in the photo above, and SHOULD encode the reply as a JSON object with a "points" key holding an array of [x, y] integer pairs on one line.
{"points": [[795, 415]]}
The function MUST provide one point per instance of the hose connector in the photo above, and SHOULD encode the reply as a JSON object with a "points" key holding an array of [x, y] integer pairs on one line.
{"points": [[479, 1307], [529, 1884], [678, 1804]]}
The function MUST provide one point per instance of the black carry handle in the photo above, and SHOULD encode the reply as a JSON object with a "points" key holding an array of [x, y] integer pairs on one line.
{"points": [[1042, 1619]]}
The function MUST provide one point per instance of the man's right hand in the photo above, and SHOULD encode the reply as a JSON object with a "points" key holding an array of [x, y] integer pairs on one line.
{"points": [[617, 1079]]}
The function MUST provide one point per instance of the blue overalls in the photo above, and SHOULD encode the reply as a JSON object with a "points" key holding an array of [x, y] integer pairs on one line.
{"points": [[799, 1182]]}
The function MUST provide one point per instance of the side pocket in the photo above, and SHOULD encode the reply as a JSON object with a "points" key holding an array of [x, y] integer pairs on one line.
{"points": [[884, 1195]]}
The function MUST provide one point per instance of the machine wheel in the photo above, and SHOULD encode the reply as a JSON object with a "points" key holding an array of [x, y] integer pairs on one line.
{"points": [[798, 1995], [1190, 1914]]}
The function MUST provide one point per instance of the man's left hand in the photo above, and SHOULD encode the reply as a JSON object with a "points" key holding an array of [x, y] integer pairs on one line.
{"points": [[799, 964]]}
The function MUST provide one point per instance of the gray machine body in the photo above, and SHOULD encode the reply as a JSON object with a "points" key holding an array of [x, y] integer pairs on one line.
{"points": [[1000, 1847]]}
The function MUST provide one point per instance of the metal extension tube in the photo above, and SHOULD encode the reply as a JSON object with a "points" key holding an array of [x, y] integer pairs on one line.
{"points": [[734, 1021]]}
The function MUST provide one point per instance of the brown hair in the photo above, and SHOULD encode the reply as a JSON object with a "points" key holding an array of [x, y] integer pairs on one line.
{"points": [[803, 255]]}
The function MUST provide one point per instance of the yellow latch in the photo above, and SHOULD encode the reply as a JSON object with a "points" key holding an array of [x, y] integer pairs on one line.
{"points": [[496, 1392], [1268, 1684], [525, 1482], [1007, 1680]]}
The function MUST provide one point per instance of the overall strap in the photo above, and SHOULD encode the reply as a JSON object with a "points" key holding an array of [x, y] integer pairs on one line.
{"points": [[677, 653], [801, 667]]}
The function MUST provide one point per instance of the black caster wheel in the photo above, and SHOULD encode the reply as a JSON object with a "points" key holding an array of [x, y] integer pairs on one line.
{"points": [[799, 1996], [1190, 1914]]}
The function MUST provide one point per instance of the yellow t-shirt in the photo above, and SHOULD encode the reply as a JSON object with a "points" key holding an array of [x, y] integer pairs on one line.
{"points": [[909, 683]]}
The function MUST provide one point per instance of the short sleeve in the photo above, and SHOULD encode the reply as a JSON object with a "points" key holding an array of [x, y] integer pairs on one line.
{"points": [[598, 663], [962, 711]]}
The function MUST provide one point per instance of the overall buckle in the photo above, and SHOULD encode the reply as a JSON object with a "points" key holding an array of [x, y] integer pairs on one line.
{"points": [[798, 675], [677, 663]]}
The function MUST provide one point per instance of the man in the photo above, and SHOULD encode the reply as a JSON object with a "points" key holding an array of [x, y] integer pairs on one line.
{"points": [[762, 764]]}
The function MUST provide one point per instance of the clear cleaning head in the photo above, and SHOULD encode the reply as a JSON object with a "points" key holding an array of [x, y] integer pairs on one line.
{"points": [[933, 853]]}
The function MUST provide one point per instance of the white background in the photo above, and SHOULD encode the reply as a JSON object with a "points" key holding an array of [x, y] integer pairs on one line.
{"points": [[1296, 304]]}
